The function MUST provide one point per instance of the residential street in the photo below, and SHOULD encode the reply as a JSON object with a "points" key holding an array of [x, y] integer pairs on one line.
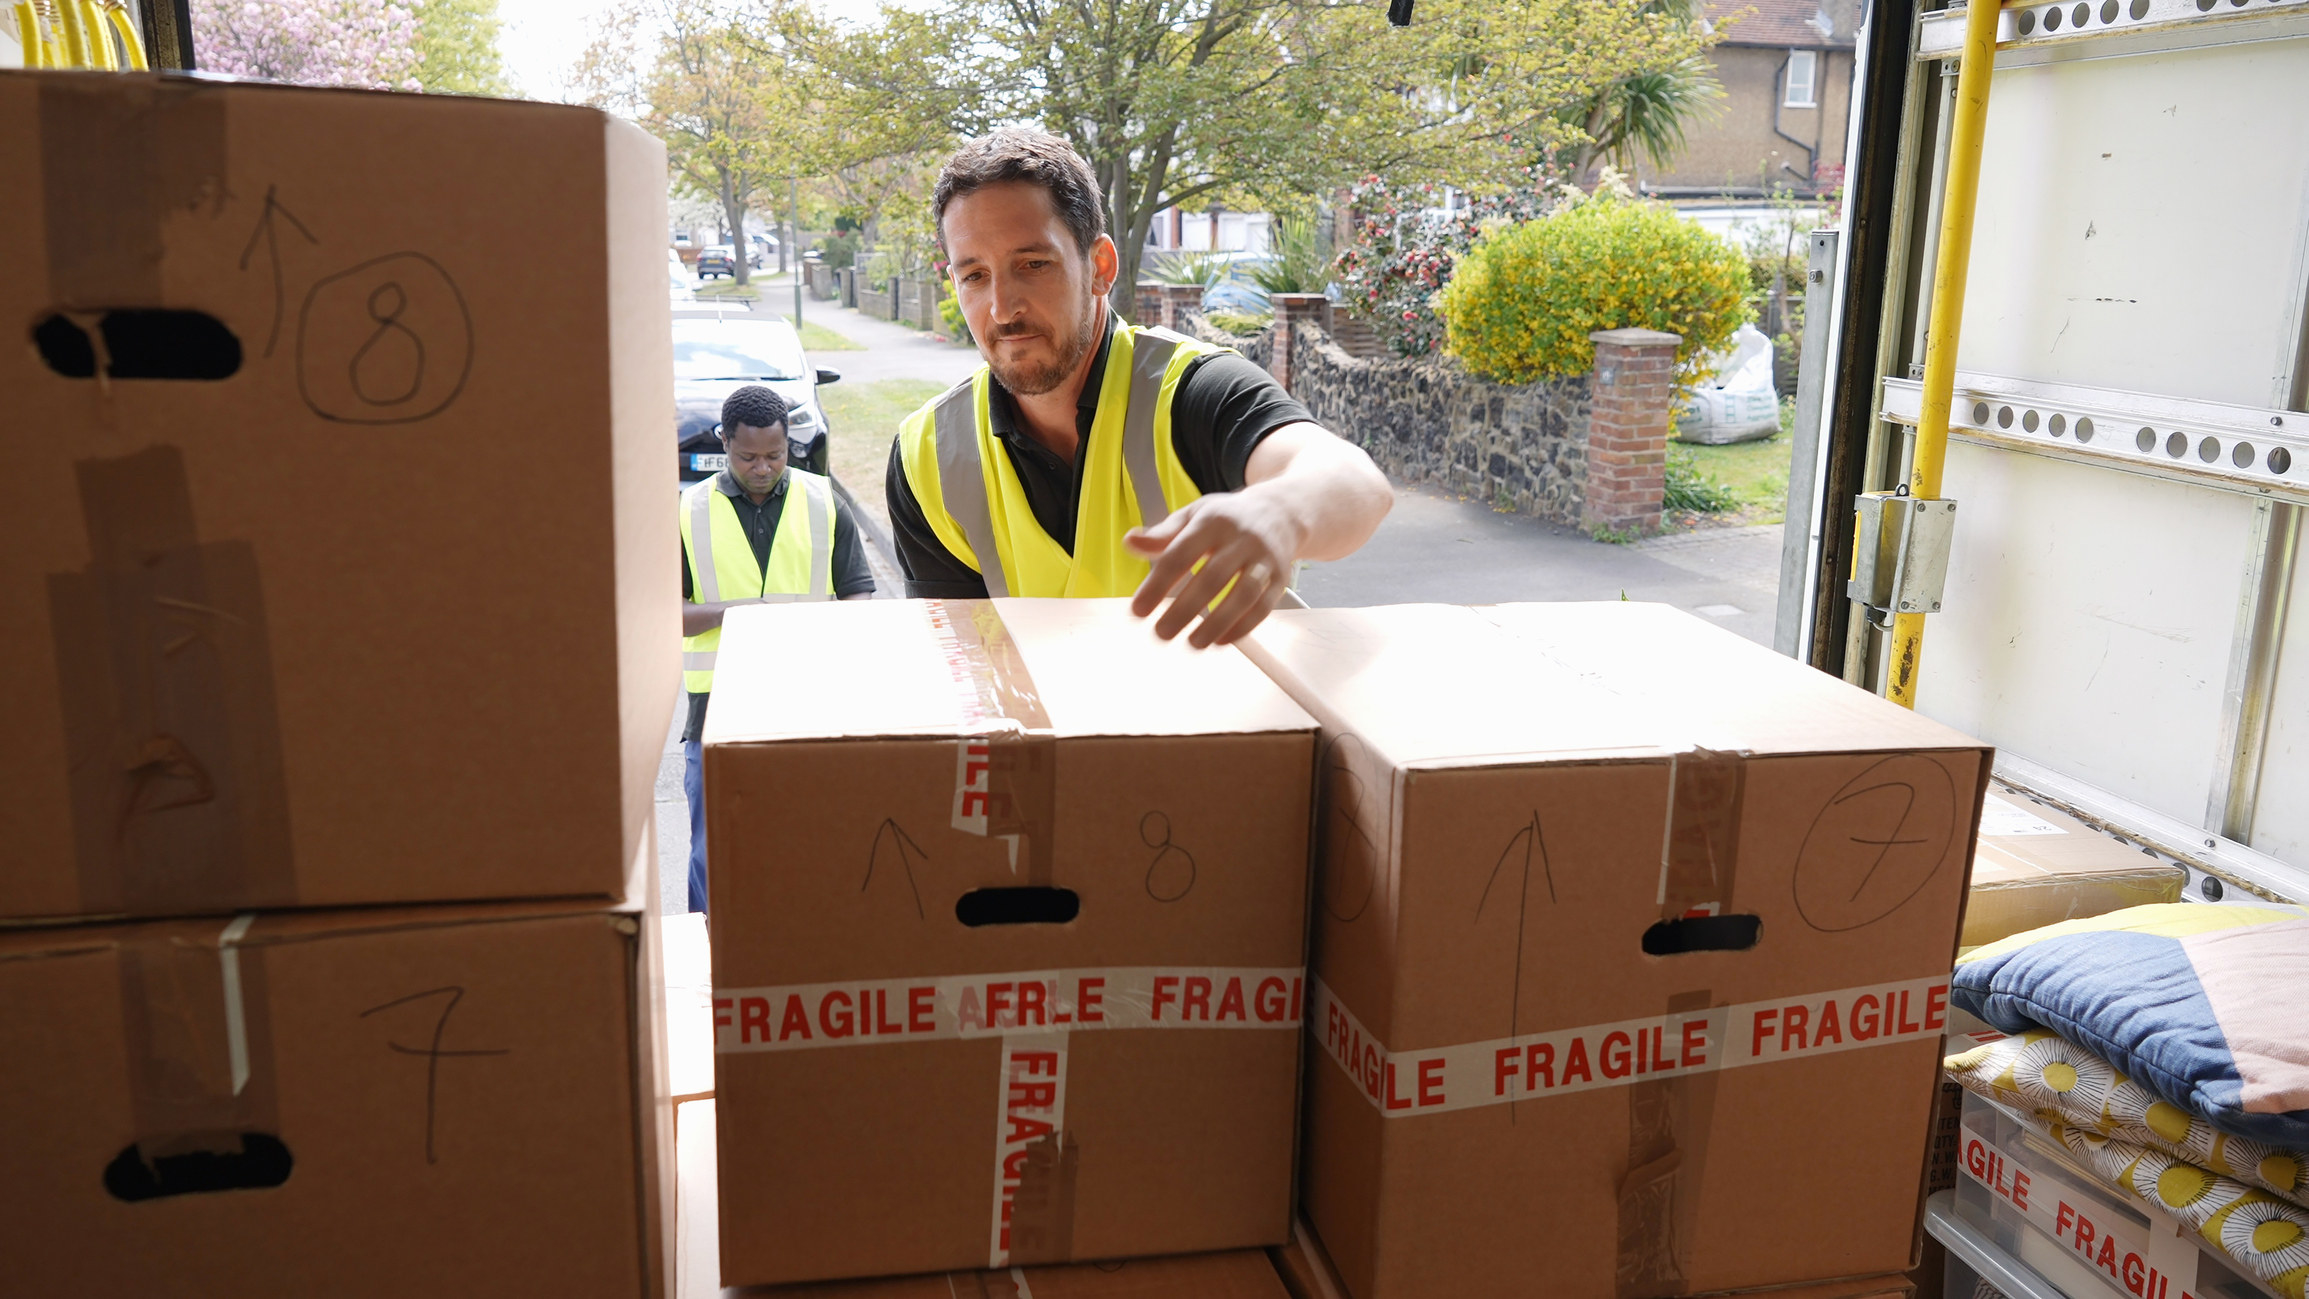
{"points": [[1432, 546]]}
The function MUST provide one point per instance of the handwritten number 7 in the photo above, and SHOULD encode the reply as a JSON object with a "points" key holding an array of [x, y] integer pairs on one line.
{"points": [[435, 1052]]}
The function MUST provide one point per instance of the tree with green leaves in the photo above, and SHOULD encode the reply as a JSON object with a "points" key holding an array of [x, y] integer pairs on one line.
{"points": [[1644, 111], [457, 48], [1175, 102]]}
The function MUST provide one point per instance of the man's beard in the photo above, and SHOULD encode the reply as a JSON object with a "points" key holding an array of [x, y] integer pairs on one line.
{"points": [[1032, 379]]}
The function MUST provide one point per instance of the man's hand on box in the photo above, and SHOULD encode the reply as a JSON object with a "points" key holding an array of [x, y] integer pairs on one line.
{"points": [[1247, 538]]}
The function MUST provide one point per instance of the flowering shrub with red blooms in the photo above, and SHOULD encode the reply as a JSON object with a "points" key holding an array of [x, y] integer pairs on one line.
{"points": [[1404, 253]]}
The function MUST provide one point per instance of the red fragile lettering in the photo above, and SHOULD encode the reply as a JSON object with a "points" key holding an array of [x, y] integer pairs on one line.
{"points": [[1198, 999], [1936, 1005], [1828, 1029], [1695, 1044], [1764, 1024], [753, 1017], [882, 1021], [1866, 1022], [1088, 995], [1431, 1082], [921, 1009], [1231, 1003], [1906, 1028], [834, 1018], [1269, 1003], [1614, 1059], [1030, 1002], [997, 1004], [1792, 1021], [1394, 1102], [1297, 987], [1166, 992], [796, 1021], [1575, 1063]]}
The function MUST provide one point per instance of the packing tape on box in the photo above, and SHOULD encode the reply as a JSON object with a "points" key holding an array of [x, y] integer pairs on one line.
{"points": [[164, 668], [1034, 1013], [1670, 1116], [200, 1076], [1005, 763], [1558, 1062], [118, 156]]}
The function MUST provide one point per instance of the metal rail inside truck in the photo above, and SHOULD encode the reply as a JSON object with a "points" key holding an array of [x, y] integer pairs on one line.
{"points": [[2051, 492]]}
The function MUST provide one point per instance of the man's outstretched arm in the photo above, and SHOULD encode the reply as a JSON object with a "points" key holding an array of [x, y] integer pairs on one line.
{"points": [[1306, 495]]}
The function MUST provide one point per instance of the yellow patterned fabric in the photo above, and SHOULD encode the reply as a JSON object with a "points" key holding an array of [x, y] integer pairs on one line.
{"points": [[2045, 1075]]}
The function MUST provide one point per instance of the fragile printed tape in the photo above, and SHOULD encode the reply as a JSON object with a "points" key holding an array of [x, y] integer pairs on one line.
{"points": [[1033, 1162], [2150, 1263], [1006, 760], [1503, 1070], [964, 1006]]}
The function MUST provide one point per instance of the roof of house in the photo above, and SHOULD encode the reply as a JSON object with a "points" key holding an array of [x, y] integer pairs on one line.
{"points": [[1784, 24]]}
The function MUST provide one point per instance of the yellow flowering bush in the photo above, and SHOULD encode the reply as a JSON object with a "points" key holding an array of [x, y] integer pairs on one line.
{"points": [[1522, 304]]}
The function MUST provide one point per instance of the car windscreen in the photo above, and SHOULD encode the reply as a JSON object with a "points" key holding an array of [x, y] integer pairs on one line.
{"points": [[722, 350]]}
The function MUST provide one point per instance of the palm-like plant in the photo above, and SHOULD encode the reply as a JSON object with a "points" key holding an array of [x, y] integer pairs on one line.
{"points": [[1300, 263]]}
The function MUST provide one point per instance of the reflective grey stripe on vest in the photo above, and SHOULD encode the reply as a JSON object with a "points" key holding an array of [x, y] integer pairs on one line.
{"points": [[697, 660], [1150, 355], [962, 481], [820, 494], [701, 542]]}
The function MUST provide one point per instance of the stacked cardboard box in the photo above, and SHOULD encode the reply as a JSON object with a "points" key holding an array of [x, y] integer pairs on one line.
{"points": [[1009, 914], [339, 579], [1628, 977]]}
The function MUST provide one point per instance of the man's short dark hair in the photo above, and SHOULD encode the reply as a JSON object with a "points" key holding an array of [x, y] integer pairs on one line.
{"points": [[1022, 153], [753, 406]]}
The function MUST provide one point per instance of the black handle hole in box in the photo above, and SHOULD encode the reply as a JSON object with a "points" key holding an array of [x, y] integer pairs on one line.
{"points": [[142, 344], [1036, 905], [260, 1161], [1702, 934]]}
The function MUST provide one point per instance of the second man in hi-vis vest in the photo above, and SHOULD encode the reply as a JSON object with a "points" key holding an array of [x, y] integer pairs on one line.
{"points": [[1095, 458], [758, 532]]}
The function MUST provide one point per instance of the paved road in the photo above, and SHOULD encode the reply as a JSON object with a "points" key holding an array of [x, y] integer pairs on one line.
{"points": [[1433, 547]]}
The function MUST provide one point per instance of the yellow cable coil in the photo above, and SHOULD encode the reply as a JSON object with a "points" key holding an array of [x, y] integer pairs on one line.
{"points": [[1961, 189], [91, 34]]}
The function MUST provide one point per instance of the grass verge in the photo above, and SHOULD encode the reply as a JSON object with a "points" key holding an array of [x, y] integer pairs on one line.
{"points": [[1749, 478], [864, 417]]}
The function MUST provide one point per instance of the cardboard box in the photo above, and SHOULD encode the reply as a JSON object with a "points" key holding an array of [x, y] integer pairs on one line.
{"points": [[1627, 926], [385, 1102], [1308, 1273], [375, 599], [2037, 865], [1239, 1274], [1116, 1084]]}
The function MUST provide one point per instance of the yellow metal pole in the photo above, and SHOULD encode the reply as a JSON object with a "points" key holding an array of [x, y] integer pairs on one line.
{"points": [[1961, 188]]}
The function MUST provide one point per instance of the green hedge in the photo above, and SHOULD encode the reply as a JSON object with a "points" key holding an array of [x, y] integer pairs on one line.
{"points": [[1520, 306]]}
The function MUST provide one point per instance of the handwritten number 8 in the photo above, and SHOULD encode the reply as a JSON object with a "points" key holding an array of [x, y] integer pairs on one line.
{"points": [[1164, 882]]}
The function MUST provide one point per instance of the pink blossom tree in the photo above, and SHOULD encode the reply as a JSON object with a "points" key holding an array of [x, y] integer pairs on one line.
{"points": [[370, 44]]}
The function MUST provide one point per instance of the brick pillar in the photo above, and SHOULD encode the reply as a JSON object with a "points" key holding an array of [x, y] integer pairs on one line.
{"points": [[1291, 310], [1179, 301], [1630, 408], [1146, 304]]}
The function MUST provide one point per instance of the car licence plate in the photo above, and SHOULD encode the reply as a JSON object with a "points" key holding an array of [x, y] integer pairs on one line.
{"points": [[709, 463]]}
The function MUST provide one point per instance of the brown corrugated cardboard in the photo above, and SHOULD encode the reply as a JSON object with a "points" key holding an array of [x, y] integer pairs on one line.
{"points": [[1239, 1274], [388, 612], [1114, 1085], [1626, 926], [1308, 1273], [2037, 865], [405, 1102]]}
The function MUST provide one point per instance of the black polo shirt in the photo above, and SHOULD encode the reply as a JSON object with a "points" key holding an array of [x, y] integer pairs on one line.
{"points": [[851, 575], [1223, 408]]}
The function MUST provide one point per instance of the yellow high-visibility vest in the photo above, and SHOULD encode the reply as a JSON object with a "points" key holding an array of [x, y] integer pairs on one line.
{"points": [[721, 560], [969, 491]]}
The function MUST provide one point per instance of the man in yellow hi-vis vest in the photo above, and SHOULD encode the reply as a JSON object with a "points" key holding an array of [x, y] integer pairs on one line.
{"points": [[1095, 458], [757, 532]]}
